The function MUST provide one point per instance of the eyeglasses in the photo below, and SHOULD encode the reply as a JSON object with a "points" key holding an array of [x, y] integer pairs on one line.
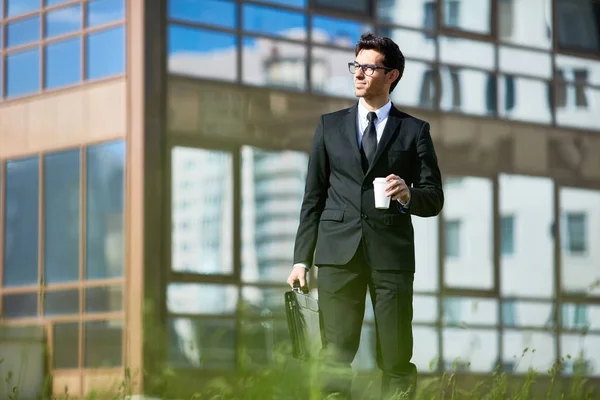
{"points": [[367, 69]]}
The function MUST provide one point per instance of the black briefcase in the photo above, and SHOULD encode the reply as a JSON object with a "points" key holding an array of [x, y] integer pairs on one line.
{"points": [[302, 313]]}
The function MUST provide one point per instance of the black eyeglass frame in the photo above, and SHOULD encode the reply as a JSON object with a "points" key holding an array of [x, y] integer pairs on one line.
{"points": [[365, 67]]}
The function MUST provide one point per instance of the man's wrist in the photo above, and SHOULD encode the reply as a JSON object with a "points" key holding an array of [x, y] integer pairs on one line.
{"points": [[302, 265]]}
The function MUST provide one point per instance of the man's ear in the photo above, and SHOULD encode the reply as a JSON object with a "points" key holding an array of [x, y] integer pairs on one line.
{"points": [[393, 75]]}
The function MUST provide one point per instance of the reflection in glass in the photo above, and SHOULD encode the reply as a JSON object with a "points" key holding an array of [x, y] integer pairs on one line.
{"points": [[578, 25], [16, 7], [208, 12], [22, 72], [576, 105], [20, 305], [463, 311], [412, 44], [268, 62], [365, 359], [580, 316], [580, 71], [206, 343], [263, 340], [426, 253], [414, 13], [529, 272], [103, 347], [524, 99], [61, 211], [272, 191], [62, 21], [202, 211], [526, 314], [338, 32], [205, 298], [469, 220], [580, 255], [518, 61], [275, 22], [290, 3], [418, 87], [104, 212], [426, 349], [61, 302], [528, 349], [65, 354], [353, 6], [104, 299], [105, 53], [580, 354], [457, 51], [425, 309], [100, 12], [63, 63], [263, 302], [470, 350], [23, 31], [330, 72], [525, 22], [21, 223], [475, 18], [202, 53]]}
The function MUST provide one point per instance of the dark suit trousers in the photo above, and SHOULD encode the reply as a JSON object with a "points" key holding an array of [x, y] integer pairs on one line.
{"points": [[342, 293]]}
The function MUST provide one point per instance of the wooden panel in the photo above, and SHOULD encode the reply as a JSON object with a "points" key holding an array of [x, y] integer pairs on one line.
{"points": [[103, 384], [88, 113], [66, 384]]}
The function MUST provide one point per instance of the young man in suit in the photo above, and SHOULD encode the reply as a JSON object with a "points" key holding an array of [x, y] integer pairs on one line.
{"points": [[354, 245]]}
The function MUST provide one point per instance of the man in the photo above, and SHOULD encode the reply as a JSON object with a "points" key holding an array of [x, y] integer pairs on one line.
{"points": [[355, 245]]}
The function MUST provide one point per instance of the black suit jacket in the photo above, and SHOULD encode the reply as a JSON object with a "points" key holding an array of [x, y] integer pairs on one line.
{"points": [[338, 208]]}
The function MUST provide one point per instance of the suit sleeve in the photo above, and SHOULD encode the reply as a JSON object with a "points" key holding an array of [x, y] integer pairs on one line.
{"points": [[313, 202], [427, 196]]}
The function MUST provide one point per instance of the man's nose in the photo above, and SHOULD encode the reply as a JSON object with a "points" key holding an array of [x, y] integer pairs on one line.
{"points": [[359, 73]]}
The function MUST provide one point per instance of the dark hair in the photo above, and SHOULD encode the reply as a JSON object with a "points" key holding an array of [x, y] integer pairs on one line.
{"points": [[392, 56]]}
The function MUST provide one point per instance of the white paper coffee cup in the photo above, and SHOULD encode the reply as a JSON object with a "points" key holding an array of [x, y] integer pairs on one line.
{"points": [[381, 200]]}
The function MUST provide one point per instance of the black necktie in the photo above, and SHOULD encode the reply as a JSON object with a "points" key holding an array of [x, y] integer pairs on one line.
{"points": [[369, 138]]}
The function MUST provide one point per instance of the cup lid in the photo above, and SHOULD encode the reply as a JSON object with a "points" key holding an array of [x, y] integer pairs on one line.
{"points": [[379, 180]]}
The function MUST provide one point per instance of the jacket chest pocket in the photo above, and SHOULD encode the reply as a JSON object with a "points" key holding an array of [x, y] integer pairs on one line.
{"points": [[400, 159]]}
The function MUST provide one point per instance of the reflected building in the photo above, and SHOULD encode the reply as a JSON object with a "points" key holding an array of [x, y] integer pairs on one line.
{"points": [[153, 158]]}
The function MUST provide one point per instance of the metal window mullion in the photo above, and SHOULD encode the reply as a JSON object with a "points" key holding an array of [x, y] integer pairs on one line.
{"points": [[41, 227], [82, 250], [42, 50], [440, 305], [240, 40], [557, 270], [2, 226], [82, 47], [498, 264]]}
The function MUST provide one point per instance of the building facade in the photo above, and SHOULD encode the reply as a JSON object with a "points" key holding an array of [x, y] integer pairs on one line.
{"points": [[152, 164]]}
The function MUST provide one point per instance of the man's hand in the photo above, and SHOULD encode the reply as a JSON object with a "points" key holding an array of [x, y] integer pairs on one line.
{"points": [[397, 188], [298, 274]]}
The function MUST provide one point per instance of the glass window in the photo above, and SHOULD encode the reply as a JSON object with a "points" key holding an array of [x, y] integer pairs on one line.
{"points": [[580, 71], [103, 344], [580, 259], [457, 89], [274, 63], [470, 350], [577, 105], [271, 21], [202, 211], [65, 354], [463, 311], [337, 32], [290, 3], [354, 6], [23, 31], [61, 302], [105, 53], [412, 44], [426, 349], [426, 234], [273, 187], [527, 314], [262, 340], [263, 302], [100, 12], [414, 13], [507, 235], [16, 7], [580, 316], [578, 25], [209, 12], [329, 72], [425, 308], [525, 22], [104, 210], [202, 53], [22, 305], [196, 299], [49, 3], [61, 217], [21, 219], [417, 88], [580, 354], [201, 343], [104, 299], [518, 61], [475, 18], [62, 21], [524, 99], [531, 201], [453, 51], [468, 212], [23, 73], [528, 349], [63, 63]]}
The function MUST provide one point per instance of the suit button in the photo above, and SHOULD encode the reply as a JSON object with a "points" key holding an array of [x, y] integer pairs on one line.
{"points": [[364, 216]]}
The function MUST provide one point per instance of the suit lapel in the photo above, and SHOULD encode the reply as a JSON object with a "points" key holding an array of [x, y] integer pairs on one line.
{"points": [[393, 123], [350, 132]]}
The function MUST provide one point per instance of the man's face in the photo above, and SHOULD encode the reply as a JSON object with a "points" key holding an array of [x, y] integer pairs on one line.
{"points": [[375, 85]]}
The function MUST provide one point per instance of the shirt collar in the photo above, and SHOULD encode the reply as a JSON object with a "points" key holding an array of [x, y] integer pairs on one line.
{"points": [[382, 112]]}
